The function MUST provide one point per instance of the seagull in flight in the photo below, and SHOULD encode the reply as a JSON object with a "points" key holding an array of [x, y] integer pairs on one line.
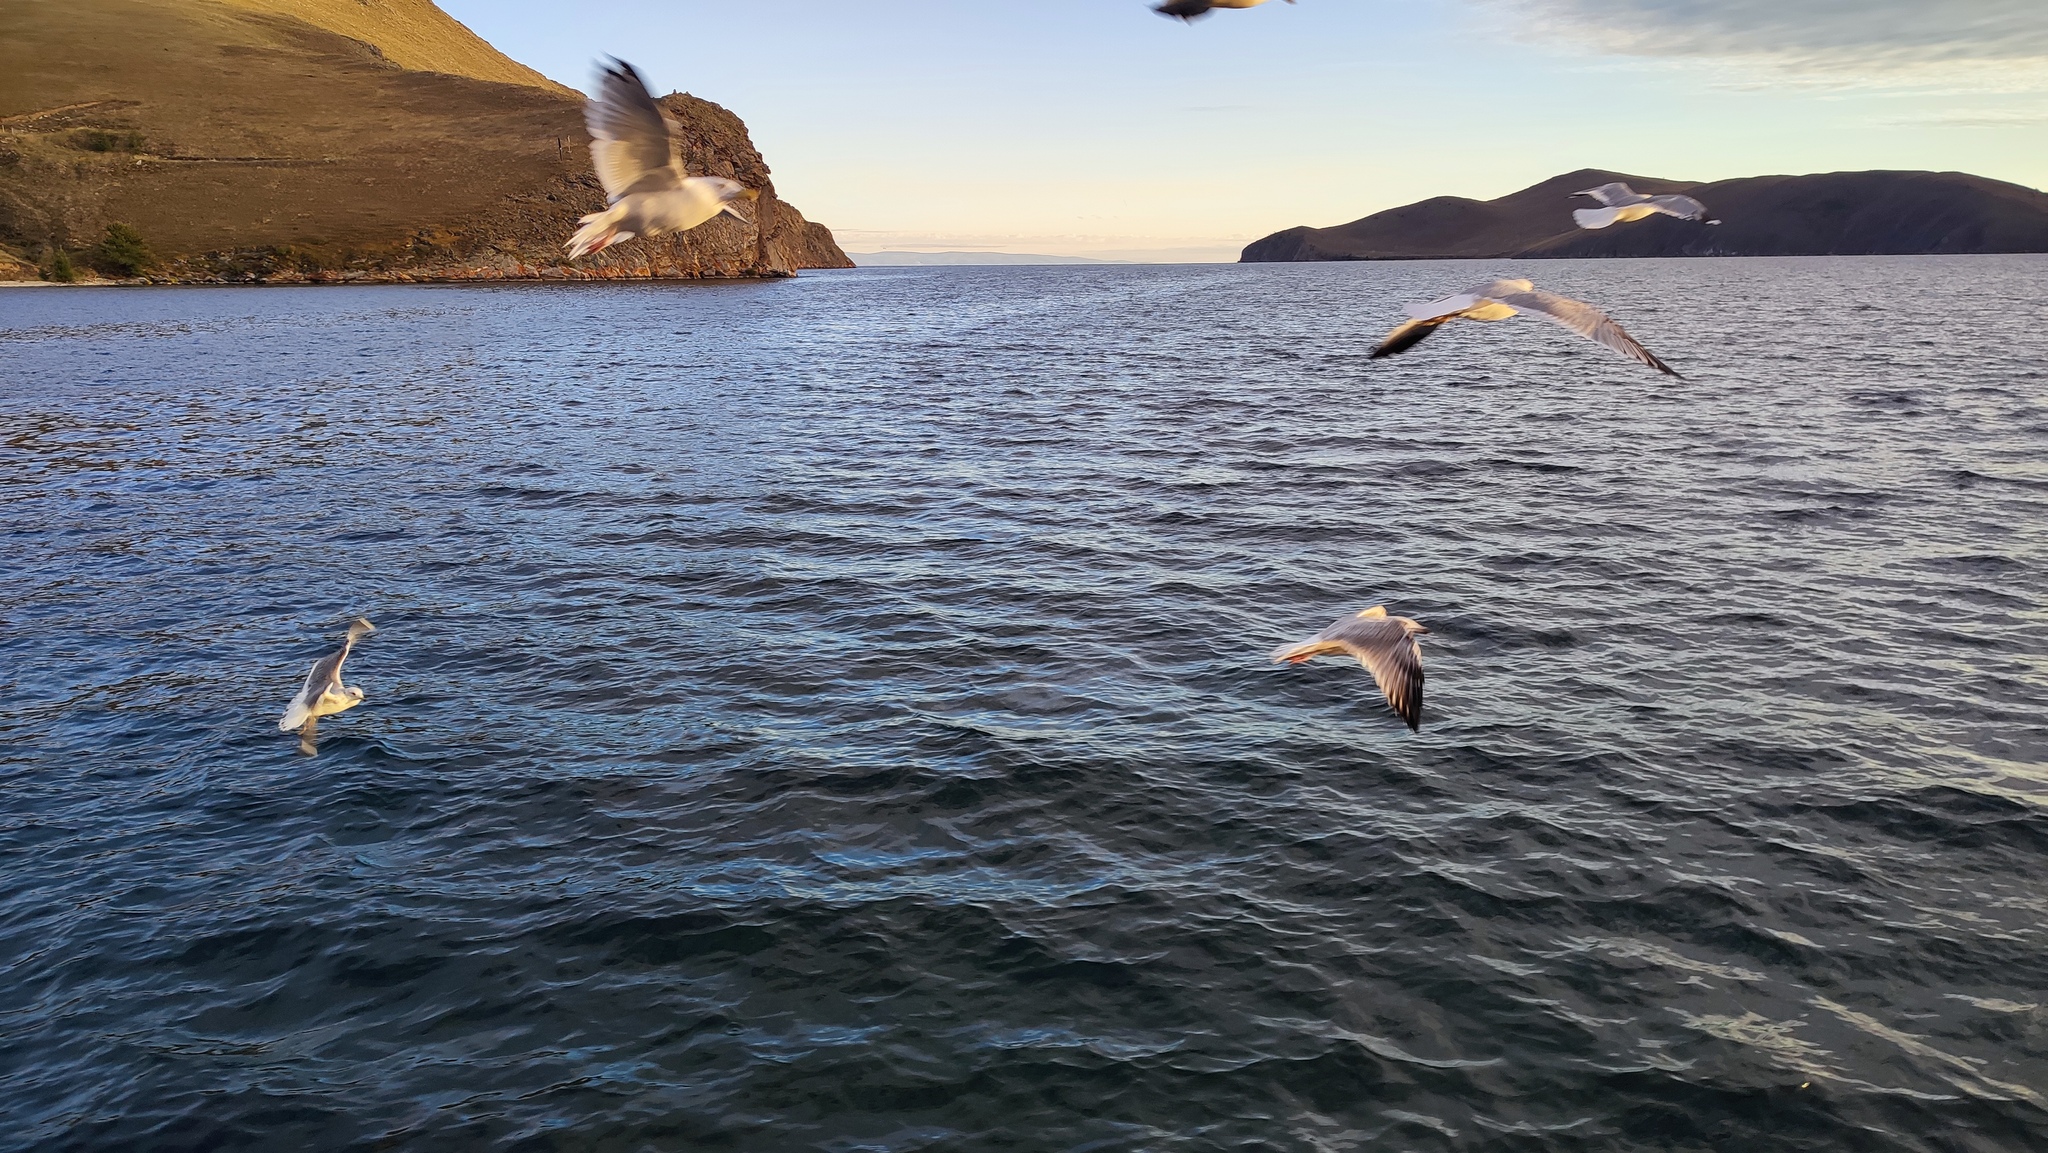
{"points": [[323, 694], [1622, 203], [1188, 10], [637, 149], [1385, 645], [1500, 299]]}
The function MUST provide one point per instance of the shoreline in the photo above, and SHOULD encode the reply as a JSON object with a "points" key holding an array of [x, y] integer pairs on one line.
{"points": [[374, 280]]}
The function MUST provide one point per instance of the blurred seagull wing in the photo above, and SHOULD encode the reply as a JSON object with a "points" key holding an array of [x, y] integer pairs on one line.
{"points": [[326, 675], [1578, 316], [1683, 207], [633, 143], [1443, 309], [1612, 195], [1384, 647], [1407, 336]]}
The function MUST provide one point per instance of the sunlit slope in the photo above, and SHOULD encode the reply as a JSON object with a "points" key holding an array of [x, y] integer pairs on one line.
{"points": [[244, 143], [412, 34]]}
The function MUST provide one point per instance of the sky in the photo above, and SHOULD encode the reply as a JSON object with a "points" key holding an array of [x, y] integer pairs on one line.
{"points": [[1098, 128]]}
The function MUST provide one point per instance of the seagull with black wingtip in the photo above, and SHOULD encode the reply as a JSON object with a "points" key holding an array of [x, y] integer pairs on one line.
{"points": [[1385, 645], [1500, 299]]}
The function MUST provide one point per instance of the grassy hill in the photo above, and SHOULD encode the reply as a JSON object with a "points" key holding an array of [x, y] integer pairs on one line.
{"points": [[412, 34], [1836, 213], [290, 139]]}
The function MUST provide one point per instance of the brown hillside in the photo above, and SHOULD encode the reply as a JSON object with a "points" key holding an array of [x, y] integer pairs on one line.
{"points": [[1831, 214], [252, 144], [411, 34]]}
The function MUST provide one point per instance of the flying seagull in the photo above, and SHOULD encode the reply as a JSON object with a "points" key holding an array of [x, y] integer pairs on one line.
{"points": [[1623, 203], [1186, 10], [1384, 645], [637, 149], [323, 694], [1500, 299]]}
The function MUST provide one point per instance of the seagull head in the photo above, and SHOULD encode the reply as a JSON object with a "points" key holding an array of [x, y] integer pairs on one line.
{"points": [[731, 191]]}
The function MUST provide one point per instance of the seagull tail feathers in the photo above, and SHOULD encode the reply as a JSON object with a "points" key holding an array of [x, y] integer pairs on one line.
{"points": [[295, 717], [1595, 217], [1303, 650], [600, 231]]}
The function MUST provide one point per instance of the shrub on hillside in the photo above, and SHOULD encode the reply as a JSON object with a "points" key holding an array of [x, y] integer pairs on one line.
{"points": [[123, 252], [101, 140], [60, 269]]}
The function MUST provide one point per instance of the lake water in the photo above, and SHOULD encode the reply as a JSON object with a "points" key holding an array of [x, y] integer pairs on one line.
{"points": [[835, 714]]}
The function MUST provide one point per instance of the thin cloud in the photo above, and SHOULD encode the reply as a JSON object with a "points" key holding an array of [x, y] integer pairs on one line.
{"points": [[1913, 37], [1974, 120]]}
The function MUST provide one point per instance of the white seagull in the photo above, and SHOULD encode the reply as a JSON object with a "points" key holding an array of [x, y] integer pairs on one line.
{"points": [[1384, 645], [637, 149], [1186, 10], [1500, 299], [323, 694], [1623, 203]]}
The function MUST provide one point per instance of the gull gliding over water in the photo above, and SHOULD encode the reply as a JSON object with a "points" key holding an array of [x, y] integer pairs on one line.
{"points": [[323, 694], [1622, 203], [1384, 645], [1500, 299], [637, 149], [1186, 10]]}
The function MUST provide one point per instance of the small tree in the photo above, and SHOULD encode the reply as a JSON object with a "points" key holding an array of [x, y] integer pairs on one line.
{"points": [[60, 269], [123, 251]]}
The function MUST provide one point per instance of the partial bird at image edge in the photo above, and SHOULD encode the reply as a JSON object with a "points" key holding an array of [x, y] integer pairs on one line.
{"points": [[1188, 11]]}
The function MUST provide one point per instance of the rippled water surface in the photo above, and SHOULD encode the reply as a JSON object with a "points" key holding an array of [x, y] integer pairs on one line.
{"points": [[835, 714]]}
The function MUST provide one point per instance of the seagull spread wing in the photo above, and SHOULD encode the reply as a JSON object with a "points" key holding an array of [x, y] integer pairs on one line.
{"points": [[1612, 194], [633, 142], [1410, 334], [1384, 647], [1683, 207], [1443, 309], [1576, 315], [326, 674], [325, 677]]}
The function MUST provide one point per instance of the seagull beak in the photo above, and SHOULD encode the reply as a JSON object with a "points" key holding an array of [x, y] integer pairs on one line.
{"points": [[750, 193]]}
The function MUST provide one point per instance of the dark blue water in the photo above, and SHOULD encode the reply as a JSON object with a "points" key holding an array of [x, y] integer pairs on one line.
{"points": [[835, 714]]}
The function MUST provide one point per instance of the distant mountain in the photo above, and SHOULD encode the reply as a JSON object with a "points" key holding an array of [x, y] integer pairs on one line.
{"points": [[895, 259], [1833, 214], [287, 140]]}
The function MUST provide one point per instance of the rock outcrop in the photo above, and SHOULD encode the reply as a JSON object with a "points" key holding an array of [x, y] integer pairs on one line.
{"points": [[247, 140], [1832, 214]]}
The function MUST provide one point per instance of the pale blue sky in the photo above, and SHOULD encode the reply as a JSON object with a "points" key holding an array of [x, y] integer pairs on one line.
{"points": [[1094, 127]]}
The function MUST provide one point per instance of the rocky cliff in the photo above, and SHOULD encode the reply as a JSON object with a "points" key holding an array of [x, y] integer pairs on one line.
{"points": [[1833, 214], [322, 140]]}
